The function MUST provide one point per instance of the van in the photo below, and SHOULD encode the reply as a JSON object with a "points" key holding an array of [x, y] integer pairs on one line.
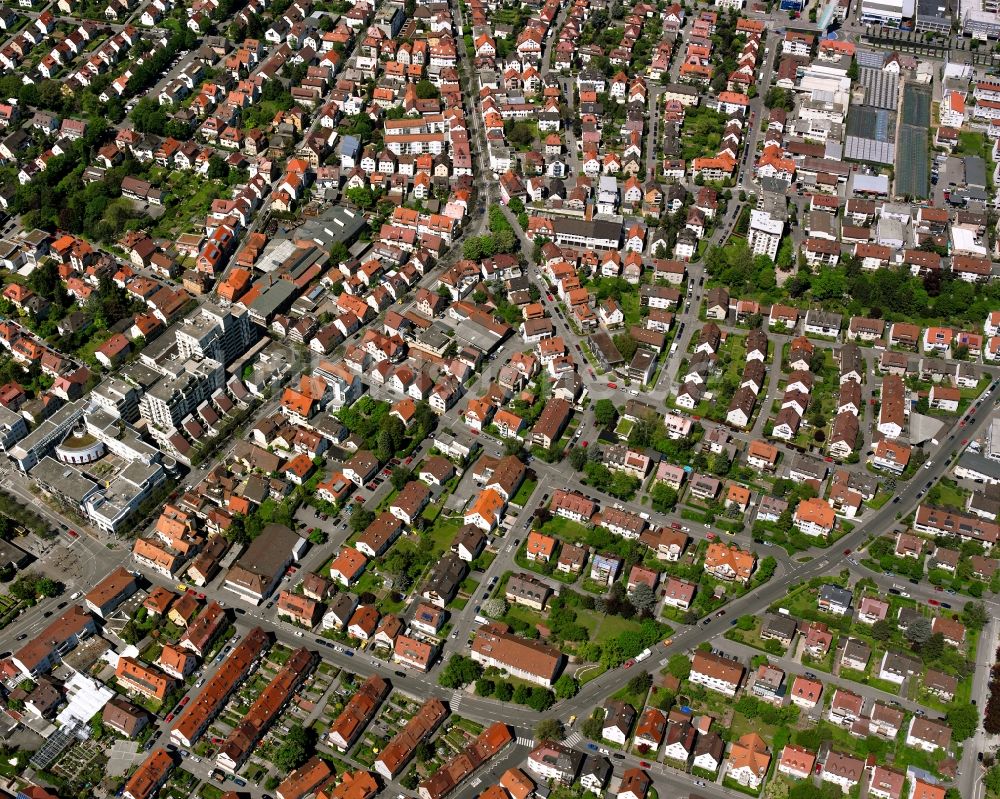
{"points": [[75, 595]]}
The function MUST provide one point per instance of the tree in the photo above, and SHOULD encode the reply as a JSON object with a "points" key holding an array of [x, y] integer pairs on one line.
{"points": [[626, 345], [605, 412], [593, 727], [549, 730], [424, 751], [933, 647], [963, 719], [663, 496], [918, 631], [643, 598], [991, 779], [295, 749], [975, 615], [426, 90], [361, 196], [400, 477], [640, 683], [361, 517], [484, 687], [578, 458], [317, 537], [460, 671], [504, 691], [217, 169], [882, 630], [472, 249], [339, 253], [513, 446], [566, 687]]}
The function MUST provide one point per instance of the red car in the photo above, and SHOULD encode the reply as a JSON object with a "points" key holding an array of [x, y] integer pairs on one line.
{"points": [[170, 718], [72, 533], [644, 764], [847, 552], [201, 597], [584, 445], [612, 385], [359, 498], [965, 441], [184, 701], [933, 602], [710, 536], [629, 664]]}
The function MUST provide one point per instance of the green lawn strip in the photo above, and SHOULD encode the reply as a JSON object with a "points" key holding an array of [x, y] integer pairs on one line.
{"points": [[524, 492]]}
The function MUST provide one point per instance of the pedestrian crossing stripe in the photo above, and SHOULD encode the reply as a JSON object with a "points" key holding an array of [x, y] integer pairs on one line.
{"points": [[522, 741]]}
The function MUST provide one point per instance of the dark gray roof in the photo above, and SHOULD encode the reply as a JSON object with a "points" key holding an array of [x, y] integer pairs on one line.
{"points": [[836, 595]]}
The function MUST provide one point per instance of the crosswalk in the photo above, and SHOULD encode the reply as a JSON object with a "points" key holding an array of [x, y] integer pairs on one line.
{"points": [[573, 739], [456, 701], [523, 741]]}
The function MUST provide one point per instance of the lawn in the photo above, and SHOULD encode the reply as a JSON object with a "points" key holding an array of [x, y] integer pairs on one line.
{"points": [[524, 492], [970, 143], [190, 202], [637, 700], [525, 614], [752, 638], [702, 132], [443, 533], [603, 627], [631, 308], [947, 494], [566, 529]]}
